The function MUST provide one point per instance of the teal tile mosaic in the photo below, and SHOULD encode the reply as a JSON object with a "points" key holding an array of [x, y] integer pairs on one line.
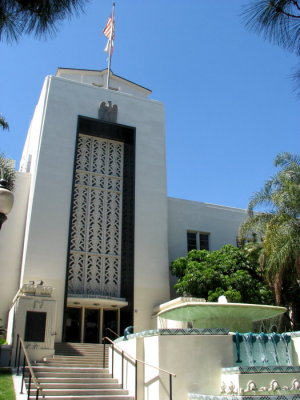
{"points": [[194, 396], [170, 332], [260, 369]]}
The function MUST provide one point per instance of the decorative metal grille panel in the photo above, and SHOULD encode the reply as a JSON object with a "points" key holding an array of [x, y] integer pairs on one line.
{"points": [[95, 245]]}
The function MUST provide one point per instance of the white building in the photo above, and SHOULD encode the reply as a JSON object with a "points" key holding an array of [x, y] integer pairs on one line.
{"points": [[91, 216]]}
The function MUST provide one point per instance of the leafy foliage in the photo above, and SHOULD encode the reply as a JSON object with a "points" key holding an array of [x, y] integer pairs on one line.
{"points": [[2, 329], [228, 271], [18, 17], [279, 226]]}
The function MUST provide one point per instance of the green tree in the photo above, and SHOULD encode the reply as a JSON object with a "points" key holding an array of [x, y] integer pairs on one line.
{"points": [[279, 226], [228, 271], [18, 17]]}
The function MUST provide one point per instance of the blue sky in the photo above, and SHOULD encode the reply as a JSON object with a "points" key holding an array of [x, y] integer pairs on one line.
{"points": [[230, 106]]}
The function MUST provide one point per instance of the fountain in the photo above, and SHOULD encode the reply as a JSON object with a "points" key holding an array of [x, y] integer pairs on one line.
{"points": [[233, 316], [215, 353], [262, 362]]}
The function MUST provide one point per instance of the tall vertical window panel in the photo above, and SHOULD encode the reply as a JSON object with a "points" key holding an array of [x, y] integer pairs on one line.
{"points": [[95, 250]]}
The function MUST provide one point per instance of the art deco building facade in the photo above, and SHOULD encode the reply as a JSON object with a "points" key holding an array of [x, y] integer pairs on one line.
{"points": [[92, 218]]}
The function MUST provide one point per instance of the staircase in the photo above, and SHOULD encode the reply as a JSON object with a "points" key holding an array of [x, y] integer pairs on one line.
{"points": [[76, 373]]}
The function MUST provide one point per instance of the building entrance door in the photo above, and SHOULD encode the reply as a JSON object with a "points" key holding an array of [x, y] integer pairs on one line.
{"points": [[91, 325], [73, 324], [110, 324]]}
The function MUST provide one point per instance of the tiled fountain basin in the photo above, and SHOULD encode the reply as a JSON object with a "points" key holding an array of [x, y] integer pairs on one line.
{"points": [[233, 316], [261, 380], [195, 396]]}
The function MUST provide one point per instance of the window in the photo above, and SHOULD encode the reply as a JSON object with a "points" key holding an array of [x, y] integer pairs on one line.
{"points": [[197, 240], [35, 326]]}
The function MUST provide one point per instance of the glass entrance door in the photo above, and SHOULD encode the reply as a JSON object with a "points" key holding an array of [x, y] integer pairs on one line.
{"points": [[91, 325], [110, 323], [73, 325]]}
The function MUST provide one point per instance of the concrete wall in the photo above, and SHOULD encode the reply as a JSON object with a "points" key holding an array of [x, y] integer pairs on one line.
{"points": [[99, 78], [47, 305], [196, 360], [55, 124], [11, 245], [133, 349], [222, 223], [296, 350]]}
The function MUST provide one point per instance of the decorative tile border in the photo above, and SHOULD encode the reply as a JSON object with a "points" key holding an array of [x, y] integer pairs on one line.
{"points": [[260, 369], [173, 332], [294, 334], [192, 396]]}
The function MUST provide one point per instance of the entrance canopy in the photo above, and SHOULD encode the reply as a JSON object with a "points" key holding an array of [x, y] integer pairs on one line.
{"points": [[96, 302]]}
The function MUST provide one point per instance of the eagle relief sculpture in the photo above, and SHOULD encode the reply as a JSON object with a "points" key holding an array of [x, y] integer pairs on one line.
{"points": [[108, 112]]}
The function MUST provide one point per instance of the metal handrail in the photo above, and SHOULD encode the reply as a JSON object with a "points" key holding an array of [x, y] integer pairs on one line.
{"points": [[32, 378], [135, 361], [113, 332]]}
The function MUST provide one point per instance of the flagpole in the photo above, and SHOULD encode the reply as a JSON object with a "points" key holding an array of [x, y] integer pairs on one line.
{"points": [[110, 44]]}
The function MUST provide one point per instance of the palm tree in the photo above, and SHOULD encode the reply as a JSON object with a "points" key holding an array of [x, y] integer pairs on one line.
{"points": [[19, 17], [279, 226]]}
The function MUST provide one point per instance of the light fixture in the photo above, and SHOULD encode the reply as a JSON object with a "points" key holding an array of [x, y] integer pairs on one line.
{"points": [[6, 201]]}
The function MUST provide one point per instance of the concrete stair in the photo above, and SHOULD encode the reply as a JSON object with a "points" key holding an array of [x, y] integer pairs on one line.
{"points": [[76, 372]]}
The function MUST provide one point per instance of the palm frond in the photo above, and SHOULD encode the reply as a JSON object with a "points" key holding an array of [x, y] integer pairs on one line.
{"points": [[280, 255], [256, 223], [34, 16], [277, 20], [3, 123], [262, 197], [286, 159]]}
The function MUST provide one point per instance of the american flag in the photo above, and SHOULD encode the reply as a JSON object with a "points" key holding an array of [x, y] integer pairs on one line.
{"points": [[108, 29], [109, 32]]}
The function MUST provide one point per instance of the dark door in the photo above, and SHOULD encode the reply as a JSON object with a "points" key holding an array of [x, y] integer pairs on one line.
{"points": [[73, 324], [91, 325], [110, 324], [35, 326]]}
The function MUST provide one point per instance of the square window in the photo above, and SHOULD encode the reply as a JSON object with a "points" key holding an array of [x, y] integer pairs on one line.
{"points": [[197, 240]]}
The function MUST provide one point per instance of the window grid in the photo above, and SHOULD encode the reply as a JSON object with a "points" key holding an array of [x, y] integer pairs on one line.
{"points": [[197, 240]]}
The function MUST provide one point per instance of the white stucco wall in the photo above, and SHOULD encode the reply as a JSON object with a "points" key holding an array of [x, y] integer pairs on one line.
{"points": [[220, 222], [100, 78], [11, 245], [196, 360], [47, 232]]}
